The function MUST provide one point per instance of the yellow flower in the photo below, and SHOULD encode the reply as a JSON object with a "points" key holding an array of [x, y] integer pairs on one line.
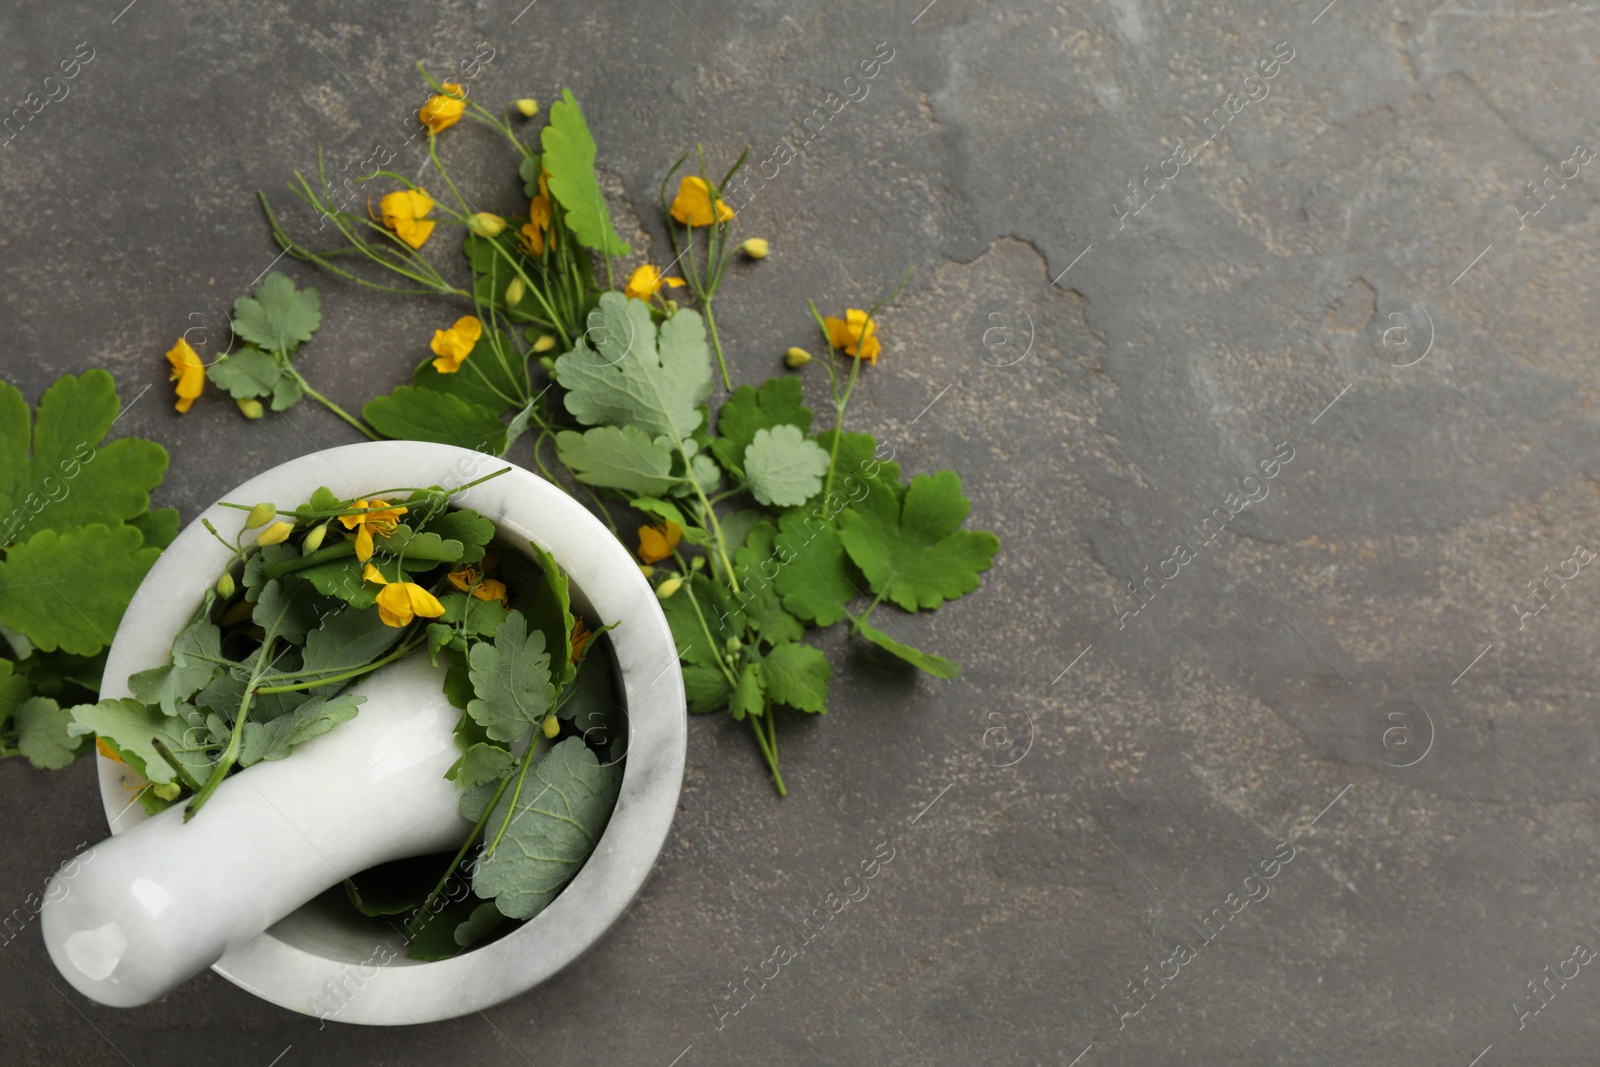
{"points": [[381, 519], [470, 580], [106, 750], [443, 111], [856, 335], [406, 213], [188, 372], [454, 345], [400, 602], [692, 205], [647, 282], [580, 638], [538, 224], [657, 542]]}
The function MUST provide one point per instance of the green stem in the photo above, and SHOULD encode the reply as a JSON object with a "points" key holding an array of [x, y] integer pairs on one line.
{"points": [[767, 754], [331, 406], [230, 755], [402, 651], [338, 550], [477, 828], [187, 779], [716, 343]]}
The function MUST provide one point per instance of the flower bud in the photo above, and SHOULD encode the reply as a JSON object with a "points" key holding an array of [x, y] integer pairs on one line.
{"points": [[547, 363], [276, 534], [733, 645], [697, 563], [527, 106], [647, 570], [260, 515], [544, 344], [552, 726], [755, 248], [665, 590], [250, 408], [796, 358], [486, 224], [170, 791], [671, 306], [225, 586], [515, 292], [313, 539]]}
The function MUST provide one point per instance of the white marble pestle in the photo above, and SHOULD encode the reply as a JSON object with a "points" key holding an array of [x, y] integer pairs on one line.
{"points": [[163, 899], [161, 903]]}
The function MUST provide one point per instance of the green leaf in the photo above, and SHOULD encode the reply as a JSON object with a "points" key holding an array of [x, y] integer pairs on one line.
{"points": [[549, 609], [758, 595], [797, 675], [41, 726], [661, 509], [706, 687], [413, 414], [129, 726], [196, 659], [427, 546], [511, 678], [547, 830], [780, 402], [347, 639], [914, 554], [158, 526], [749, 696], [528, 171], [340, 578], [472, 530], [474, 616], [393, 888], [483, 762], [613, 457], [784, 468], [246, 373], [700, 634], [287, 393], [13, 689], [815, 577], [569, 153], [855, 469], [736, 527], [937, 666], [286, 608], [484, 920], [279, 317], [69, 590], [622, 373], [273, 740], [71, 479], [433, 937]]}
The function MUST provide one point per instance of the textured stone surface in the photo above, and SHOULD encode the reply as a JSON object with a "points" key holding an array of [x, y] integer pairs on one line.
{"points": [[1383, 173]]}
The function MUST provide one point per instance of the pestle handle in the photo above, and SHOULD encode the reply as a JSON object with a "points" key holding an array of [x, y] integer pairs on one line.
{"points": [[155, 906]]}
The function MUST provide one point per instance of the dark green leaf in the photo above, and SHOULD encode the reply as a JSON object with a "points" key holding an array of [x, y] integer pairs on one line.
{"points": [[914, 554], [246, 373], [815, 577], [69, 590], [414, 414], [937, 666], [780, 402], [569, 153], [797, 675], [278, 317], [511, 677]]}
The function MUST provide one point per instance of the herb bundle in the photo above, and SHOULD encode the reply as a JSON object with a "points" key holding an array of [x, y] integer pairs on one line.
{"points": [[758, 524]]}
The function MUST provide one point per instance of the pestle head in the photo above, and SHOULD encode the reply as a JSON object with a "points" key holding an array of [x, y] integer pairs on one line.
{"points": [[140, 913]]}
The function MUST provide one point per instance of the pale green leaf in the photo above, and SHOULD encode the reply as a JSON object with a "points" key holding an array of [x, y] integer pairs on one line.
{"points": [[622, 373], [41, 726], [784, 468], [274, 740], [616, 458], [279, 317], [511, 677], [246, 373]]}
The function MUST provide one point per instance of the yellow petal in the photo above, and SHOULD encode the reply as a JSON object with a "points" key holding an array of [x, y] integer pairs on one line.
{"points": [[394, 605], [491, 589], [423, 602], [373, 574], [363, 544]]}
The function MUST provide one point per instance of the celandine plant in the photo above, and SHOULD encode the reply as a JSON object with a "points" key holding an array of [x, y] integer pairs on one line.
{"points": [[759, 525]]}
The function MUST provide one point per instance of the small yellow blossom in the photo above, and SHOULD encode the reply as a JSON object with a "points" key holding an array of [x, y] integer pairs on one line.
{"points": [[486, 224], [454, 345], [855, 334], [188, 372], [796, 358], [755, 248], [544, 344], [406, 213], [551, 725], [540, 219], [471, 580], [400, 602], [276, 534], [646, 282], [527, 107], [692, 205], [657, 542], [380, 519], [444, 110], [580, 638]]}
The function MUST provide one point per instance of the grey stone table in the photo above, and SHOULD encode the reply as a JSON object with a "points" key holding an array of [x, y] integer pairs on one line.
{"points": [[1276, 310]]}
